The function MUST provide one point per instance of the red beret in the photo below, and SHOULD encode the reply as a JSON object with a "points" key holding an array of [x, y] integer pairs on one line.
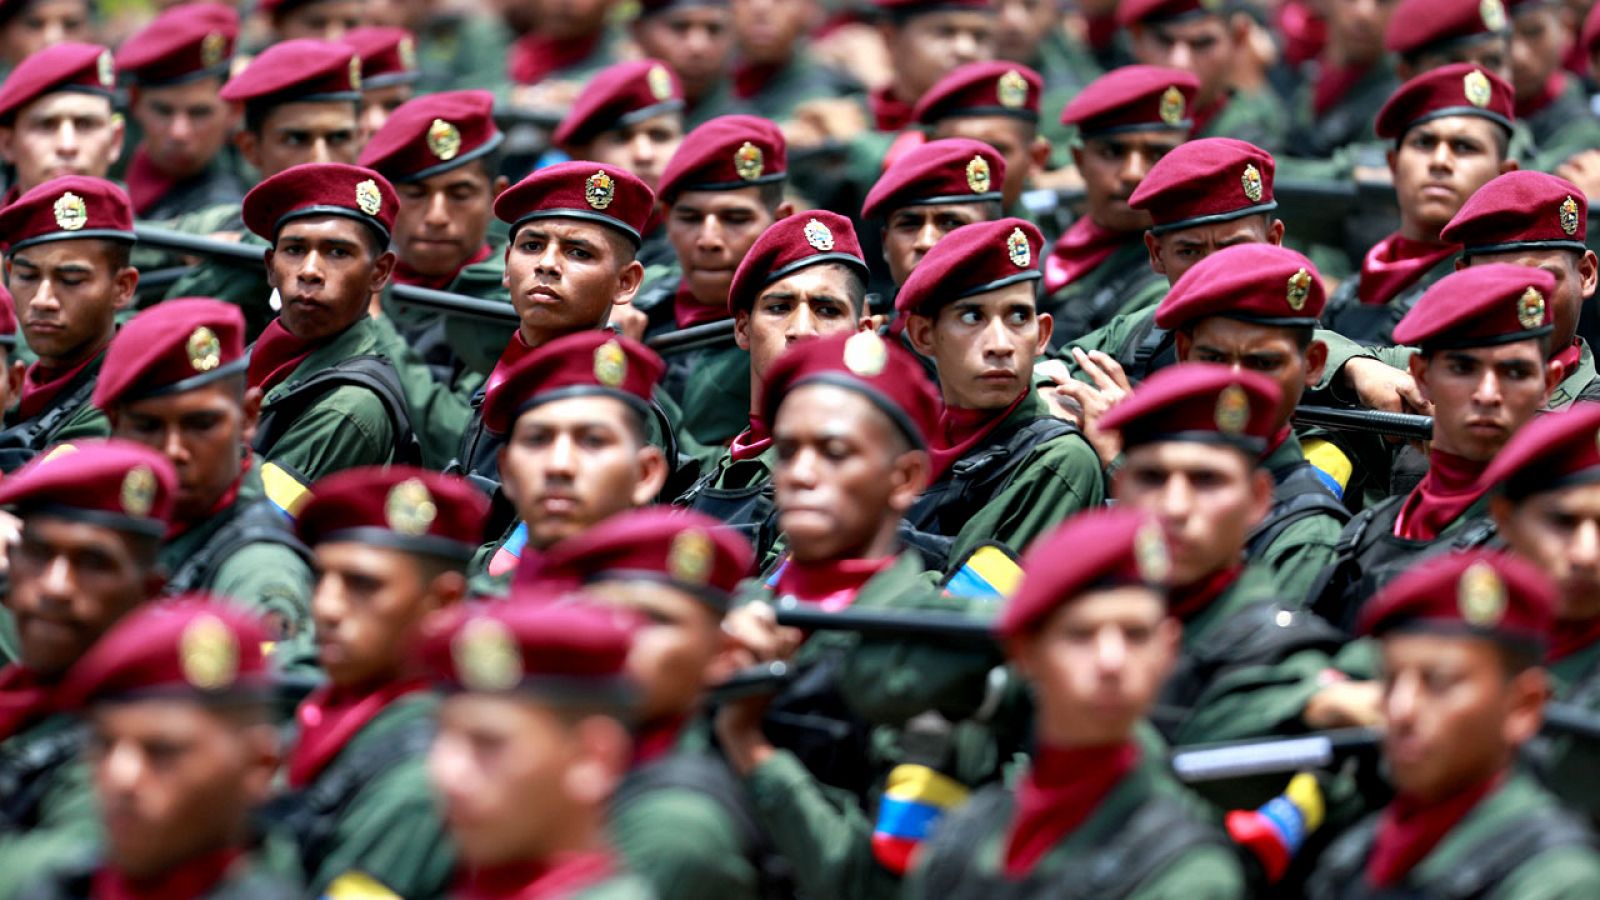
{"points": [[1259, 283], [184, 42], [1522, 210], [72, 207], [433, 133], [172, 347], [789, 245], [995, 88], [388, 55], [321, 189], [726, 153], [1480, 306], [299, 71], [113, 483], [1553, 451], [1200, 402], [1459, 89], [973, 259], [1092, 551], [187, 648], [8, 320], [83, 68], [883, 371], [619, 96], [579, 190], [572, 653], [1423, 26], [953, 170], [588, 362], [1204, 181], [1139, 12], [1133, 98], [398, 507], [1478, 593]]}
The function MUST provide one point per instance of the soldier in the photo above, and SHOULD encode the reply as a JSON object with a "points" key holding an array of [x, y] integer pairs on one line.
{"points": [[389, 73], [695, 40], [931, 191], [1090, 630], [1427, 34], [996, 103], [174, 381], [30, 26], [323, 20], [926, 41], [547, 688], [1126, 121], [1346, 85], [775, 72], [1553, 105], [391, 548], [67, 263], [561, 47], [1036, 35], [92, 521], [175, 68], [182, 749], [1463, 690], [57, 116]]}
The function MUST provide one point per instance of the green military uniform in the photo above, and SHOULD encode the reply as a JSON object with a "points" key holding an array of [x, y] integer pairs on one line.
{"points": [[218, 184], [458, 342], [244, 286], [246, 879], [1563, 128], [709, 385], [1374, 323], [784, 88], [1124, 283], [738, 492], [462, 51], [1348, 121], [47, 807], [1581, 381], [1296, 553], [1569, 765], [69, 416], [1255, 116]]}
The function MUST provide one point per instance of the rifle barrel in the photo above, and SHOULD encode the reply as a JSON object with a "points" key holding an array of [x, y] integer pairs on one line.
{"points": [[1370, 421], [872, 623]]}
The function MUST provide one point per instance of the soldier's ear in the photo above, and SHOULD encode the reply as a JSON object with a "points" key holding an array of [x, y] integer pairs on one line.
{"points": [[628, 282], [252, 416], [247, 142], [1275, 233], [1047, 328], [7, 145], [1153, 246], [1529, 689], [652, 475], [382, 268], [919, 330], [1316, 362], [1588, 273], [912, 472], [741, 330]]}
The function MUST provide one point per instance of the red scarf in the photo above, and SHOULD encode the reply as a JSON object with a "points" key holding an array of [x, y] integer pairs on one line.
{"points": [[889, 113], [1409, 830], [42, 386], [404, 274], [189, 881], [568, 874], [1568, 359], [1191, 600], [657, 739], [961, 429], [146, 183], [689, 312], [1553, 88], [1450, 486], [1100, 31], [831, 585], [23, 700], [330, 718], [1063, 787], [752, 442], [1084, 246], [276, 355], [1571, 636], [1334, 84], [179, 528], [515, 350], [1305, 33], [750, 79], [534, 57], [1396, 263]]}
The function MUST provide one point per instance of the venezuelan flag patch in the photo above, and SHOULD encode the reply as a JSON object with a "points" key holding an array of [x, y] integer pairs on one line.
{"points": [[506, 558], [285, 491], [1332, 465], [916, 799], [358, 886], [989, 573]]}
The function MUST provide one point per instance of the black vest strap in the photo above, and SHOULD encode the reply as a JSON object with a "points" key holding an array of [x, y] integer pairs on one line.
{"points": [[253, 523], [370, 371]]}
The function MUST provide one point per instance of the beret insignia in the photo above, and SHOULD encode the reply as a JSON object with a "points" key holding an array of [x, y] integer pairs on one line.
{"points": [[865, 354], [1475, 85], [444, 140], [610, 364], [689, 559], [818, 236], [1299, 290], [368, 199], [1251, 180], [204, 349], [1493, 13], [748, 161], [978, 176], [599, 190], [355, 73], [1233, 410], [106, 69], [1172, 106], [1018, 250], [408, 53], [486, 657], [1012, 90], [138, 491], [71, 212], [212, 48], [659, 82], [1530, 308], [409, 509], [1481, 596], [1569, 216], [1150, 554], [208, 654]]}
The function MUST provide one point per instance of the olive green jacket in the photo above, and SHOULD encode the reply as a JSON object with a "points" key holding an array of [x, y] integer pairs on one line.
{"points": [[67, 820]]}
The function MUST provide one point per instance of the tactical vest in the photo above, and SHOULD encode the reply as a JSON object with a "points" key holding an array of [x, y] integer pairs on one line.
{"points": [[25, 776], [1301, 495], [811, 719], [75, 881], [1085, 314], [252, 523], [974, 480], [747, 510], [369, 371], [1148, 350], [24, 440]]}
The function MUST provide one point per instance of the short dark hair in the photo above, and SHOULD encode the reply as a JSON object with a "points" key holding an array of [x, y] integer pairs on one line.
{"points": [[772, 195]]}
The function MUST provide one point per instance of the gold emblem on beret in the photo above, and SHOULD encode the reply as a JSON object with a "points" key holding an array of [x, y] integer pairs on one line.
{"points": [[1530, 308], [444, 140], [408, 53], [204, 349], [106, 69], [1150, 554], [1569, 216], [212, 48], [1475, 85], [1233, 410], [1172, 106], [368, 199], [610, 364], [208, 654], [486, 656], [138, 491], [1299, 290], [978, 176], [1481, 595], [355, 73], [689, 559], [1493, 13], [1251, 180], [818, 236], [660, 82], [409, 509], [1017, 249], [1012, 90], [865, 354], [748, 161], [71, 212], [599, 190]]}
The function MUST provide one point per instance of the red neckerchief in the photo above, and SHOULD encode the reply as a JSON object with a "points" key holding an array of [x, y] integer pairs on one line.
{"points": [[563, 877], [404, 274], [23, 700], [515, 350], [1204, 116], [146, 183], [1572, 635], [961, 429], [831, 585], [1100, 31], [1084, 246], [1568, 359], [1553, 88], [1190, 600], [331, 717], [188, 881], [689, 312], [178, 529], [749, 78], [1450, 486], [1396, 263], [1409, 830], [1063, 787], [752, 442], [656, 740], [41, 386], [889, 113], [1333, 84], [276, 355], [534, 57], [1278, 440]]}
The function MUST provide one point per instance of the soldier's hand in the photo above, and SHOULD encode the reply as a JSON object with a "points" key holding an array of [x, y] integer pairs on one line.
{"points": [[738, 726], [629, 320], [836, 119], [1380, 386], [1107, 374], [755, 629], [1583, 170], [1092, 403], [1345, 704]]}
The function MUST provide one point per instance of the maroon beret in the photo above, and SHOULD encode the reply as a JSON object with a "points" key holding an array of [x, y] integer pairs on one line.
{"points": [[1480, 306], [1424, 26], [1477, 593], [619, 96], [789, 245], [398, 507], [1205, 181], [1459, 89], [433, 133], [72, 207], [994, 88], [1133, 98], [113, 483], [566, 654], [593, 362], [1259, 283], [175, 346], [321, 189], [1138, 12], [726, 153], [8, 320], [184, 42], [298, 71], [1200, 402], [883, 371], [579, 190], [1553, 451], [1097, 550], [83, 68], [388, 55], [973, 259], [1522, 210], [187, 648], [953, 170]]}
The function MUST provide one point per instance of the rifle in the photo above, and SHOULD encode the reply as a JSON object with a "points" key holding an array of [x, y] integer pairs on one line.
{"points": [[1370, 421]]}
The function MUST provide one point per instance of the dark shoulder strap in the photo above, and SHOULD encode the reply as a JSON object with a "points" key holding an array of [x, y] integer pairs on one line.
{"points": [[22, 441], [257, 523], [370, 371], [958, 837], [1300, 496], [1493, 859], [1158, 834], [1344, 861], [1327, 597], [24, 776]]}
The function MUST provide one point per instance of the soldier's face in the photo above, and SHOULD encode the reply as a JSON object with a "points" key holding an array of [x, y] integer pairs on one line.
{"points": [[1203, 45], [44, 24], [672, 651], [368, 608], [1559, 531], [378, 104], [325, 273], [1438, 165], [1576, 274], [1264, 349], [1206, 497], [913, 230], [204, 432], [813, 302], [569, 19], [1112, 168], [326, 20], [296, 133], [175, 780], [767, 30], [1176, 252], [184, 125], [67, 294], [1491, 53], [711, 231], [926, 47], [642, 148], [1482, 395], [564, 275], [1015, 140], [1021, 25], [443, 219], [1539, 42], [1356, 27], [60, 134], [696, 43], [984, 346]]}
